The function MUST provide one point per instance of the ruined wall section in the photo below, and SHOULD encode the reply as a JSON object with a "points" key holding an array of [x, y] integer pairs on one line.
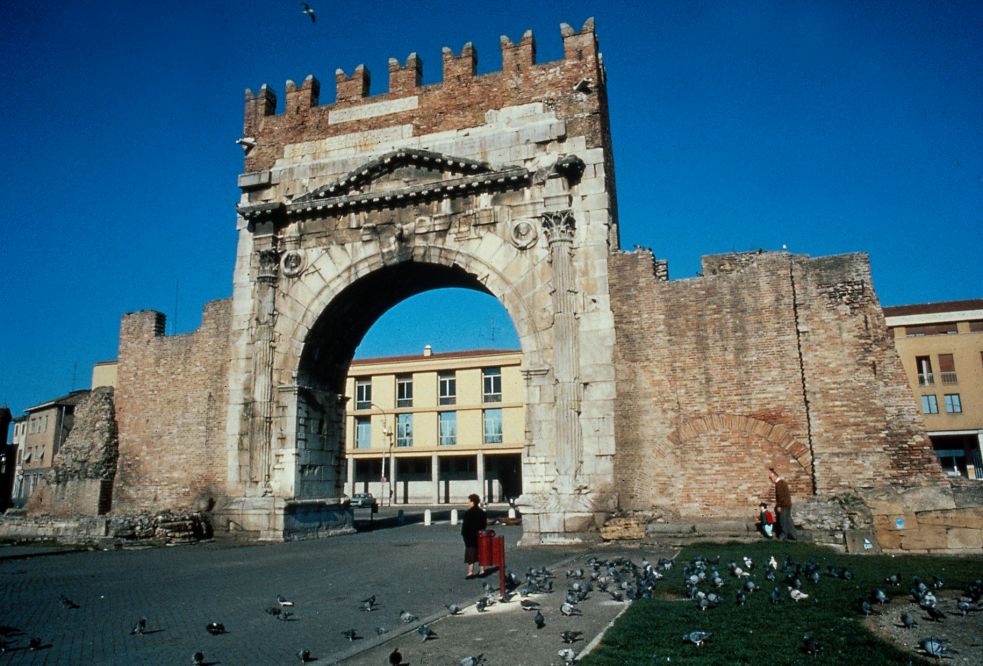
{"points": [[80, 480], [170, 409], [768, 359], [866, 431]]}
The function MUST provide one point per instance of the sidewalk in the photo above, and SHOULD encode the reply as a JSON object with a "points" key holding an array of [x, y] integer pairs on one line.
{"points": [[504, 633]]}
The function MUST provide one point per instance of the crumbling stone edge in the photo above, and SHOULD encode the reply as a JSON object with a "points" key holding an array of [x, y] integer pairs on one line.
{"points": [[158, 528]]}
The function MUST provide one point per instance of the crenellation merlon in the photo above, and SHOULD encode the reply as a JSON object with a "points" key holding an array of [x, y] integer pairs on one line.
{"points": [[356, 87], [405, 80], [518, 59], [305, 97], [462, 67], [258, 105]]}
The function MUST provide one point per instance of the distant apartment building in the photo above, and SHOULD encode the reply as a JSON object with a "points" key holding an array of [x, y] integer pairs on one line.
{"points": [[435, 427], [46, 426], [941, 348]]}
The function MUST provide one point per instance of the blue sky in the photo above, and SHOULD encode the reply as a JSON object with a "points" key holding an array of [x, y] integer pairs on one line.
{"points": [[829, 127]]}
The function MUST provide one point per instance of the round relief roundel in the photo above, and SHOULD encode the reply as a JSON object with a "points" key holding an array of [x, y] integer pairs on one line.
{"points": [[292, 262], [524, 234]]}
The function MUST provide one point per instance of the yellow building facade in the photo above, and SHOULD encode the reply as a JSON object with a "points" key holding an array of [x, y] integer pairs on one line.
{"points": [[941, 348], [435, 427]]}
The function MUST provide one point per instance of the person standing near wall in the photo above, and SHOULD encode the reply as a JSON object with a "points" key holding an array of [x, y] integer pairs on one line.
{"points": [[474, 521], [783, 506]]}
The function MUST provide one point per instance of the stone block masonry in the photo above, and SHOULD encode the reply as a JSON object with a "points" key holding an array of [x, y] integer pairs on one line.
{"points": [[170, 407]]}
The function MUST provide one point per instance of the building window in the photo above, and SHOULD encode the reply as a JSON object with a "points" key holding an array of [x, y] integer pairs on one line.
{"points": [[491, 384], [363, 432], [953, 405], [448, 428], [947, 368], [948, 328], [404, 391], [924, 366], [930, 404], [363, 394], [447, 388], [404, 430], [492, 426]]}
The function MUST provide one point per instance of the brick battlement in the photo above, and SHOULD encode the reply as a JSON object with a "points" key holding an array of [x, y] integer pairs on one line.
{"points": [[458, 102]]}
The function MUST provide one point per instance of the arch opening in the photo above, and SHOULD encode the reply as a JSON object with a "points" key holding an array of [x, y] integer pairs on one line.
{"points": [[323, 400]]}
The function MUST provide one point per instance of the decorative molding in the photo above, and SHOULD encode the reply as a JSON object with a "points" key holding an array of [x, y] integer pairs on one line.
{"points": [[293, 263], [524, 234]]}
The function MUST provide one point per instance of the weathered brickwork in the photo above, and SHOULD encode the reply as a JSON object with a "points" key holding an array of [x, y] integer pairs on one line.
{"points": [[768, 359], [170, 407]]}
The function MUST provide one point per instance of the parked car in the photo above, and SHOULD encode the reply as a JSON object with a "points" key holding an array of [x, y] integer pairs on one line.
{"points": [[362, 500]]}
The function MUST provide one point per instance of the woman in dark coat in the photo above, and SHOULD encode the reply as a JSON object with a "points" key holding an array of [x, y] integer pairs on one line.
{"points": [[474, 521]]}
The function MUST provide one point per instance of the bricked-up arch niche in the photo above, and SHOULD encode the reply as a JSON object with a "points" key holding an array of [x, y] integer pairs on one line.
{"points": [[497, 183]]}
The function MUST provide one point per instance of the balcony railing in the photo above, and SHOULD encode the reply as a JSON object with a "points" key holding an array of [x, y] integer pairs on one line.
{"points": [[926, 379], [948, 377]]}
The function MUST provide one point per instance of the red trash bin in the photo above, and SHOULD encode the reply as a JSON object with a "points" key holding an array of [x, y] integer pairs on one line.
{"points": [[485, 548]]}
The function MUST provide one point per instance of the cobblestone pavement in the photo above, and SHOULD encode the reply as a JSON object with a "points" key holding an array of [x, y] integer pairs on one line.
{"points": [[180, 590]]}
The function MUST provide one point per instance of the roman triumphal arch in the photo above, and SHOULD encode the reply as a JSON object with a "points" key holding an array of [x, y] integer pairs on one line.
{"points": [[499, 183]]}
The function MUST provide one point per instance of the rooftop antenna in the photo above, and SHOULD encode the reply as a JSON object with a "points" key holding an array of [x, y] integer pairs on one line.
{"points": [[177, 285]]}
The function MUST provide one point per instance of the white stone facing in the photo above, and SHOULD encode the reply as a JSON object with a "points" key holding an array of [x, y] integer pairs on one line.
{"points": [[372, 110]]}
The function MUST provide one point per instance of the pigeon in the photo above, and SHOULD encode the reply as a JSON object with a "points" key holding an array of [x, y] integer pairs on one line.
{"points": [[696, 637], [282, 601], [935, 648], [34, 644], [305, 656], [741, 598], [568, 655], [866, 608], [772, 564], [964, 606], [426, 632], [351, 635], [529, 605], [797, 595], [893, 579], [776, 596], [368, 605], [935, 613], [482, 604], [407, 617], [811, 645], [198, 658], [570, 636], [306, 9], [907, 621], [139, 628], [453, 608], [937, 582], [379, 631], [477, 660], [879, 596], [569, 609], [215, 628], [395, 658], [67, 603], [616, 596], [539, 620]]}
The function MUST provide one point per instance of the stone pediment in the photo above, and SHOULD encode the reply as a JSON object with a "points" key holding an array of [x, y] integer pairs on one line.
{"points": [[401, 177]]}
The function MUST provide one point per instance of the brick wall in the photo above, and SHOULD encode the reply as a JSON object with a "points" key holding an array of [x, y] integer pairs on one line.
{"points": [[768, 359], [170, 408]]}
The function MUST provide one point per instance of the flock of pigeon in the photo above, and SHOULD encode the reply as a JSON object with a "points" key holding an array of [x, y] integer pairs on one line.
{"points": [[704, 584]]}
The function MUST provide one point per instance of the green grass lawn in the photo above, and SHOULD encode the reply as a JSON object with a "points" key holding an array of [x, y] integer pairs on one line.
{"points": [[760, 632]]}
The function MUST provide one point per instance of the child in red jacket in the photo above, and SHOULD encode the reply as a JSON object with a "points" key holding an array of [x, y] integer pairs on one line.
{"points": [[767, 521]]}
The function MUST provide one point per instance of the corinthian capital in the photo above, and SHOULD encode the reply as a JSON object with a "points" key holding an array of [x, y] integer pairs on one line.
{"points": [[559, 225]]}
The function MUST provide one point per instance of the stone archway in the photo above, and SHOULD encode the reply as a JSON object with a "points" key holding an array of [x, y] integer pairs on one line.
{"points": [[317, 271]]}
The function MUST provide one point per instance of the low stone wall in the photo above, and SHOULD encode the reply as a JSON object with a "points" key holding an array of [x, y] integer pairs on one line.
{"points": [[164, 527], [944, 522]]}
